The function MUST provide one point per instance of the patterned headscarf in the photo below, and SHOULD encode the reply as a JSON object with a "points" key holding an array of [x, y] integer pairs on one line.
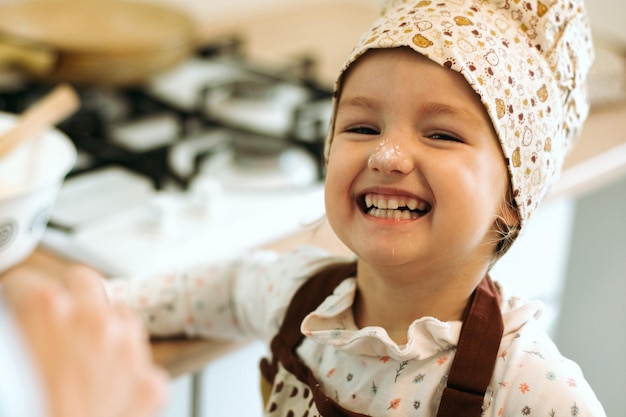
{"points": [[527, 60]]}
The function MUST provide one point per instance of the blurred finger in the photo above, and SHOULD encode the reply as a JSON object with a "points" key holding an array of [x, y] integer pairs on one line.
{"points": [[133, 321], [153, 391], [19, 286], [84, 284], [146, 395]]}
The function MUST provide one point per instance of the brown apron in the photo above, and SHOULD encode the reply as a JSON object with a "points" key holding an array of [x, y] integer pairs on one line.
{"points": [[469, 375]]}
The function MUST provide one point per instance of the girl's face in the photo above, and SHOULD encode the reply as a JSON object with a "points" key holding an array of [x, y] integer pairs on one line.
{"points": [[415, 173]]}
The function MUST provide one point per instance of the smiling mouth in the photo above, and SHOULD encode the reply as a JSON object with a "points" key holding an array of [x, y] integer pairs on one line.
{"points": [[393, 207]]}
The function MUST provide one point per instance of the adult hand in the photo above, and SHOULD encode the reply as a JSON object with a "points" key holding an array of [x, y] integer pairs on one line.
{"points": [[93, 357]]}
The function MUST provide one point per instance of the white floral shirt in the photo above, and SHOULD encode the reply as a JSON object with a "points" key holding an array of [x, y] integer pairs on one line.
{"points": [[362, 369]]}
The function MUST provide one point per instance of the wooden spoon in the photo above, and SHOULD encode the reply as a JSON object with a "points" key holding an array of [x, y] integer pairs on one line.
{"points": [[41, 116]]}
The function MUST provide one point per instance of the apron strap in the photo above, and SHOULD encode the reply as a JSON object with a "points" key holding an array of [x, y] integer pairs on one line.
{"points": [[306, 299], [476, 354], [283, 347], [471, 369]]}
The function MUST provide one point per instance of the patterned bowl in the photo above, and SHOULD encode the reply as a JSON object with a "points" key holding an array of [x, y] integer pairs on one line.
{"points": [[30, 178]]}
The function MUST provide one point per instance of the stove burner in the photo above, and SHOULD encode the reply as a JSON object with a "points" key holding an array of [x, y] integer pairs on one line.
{"points": [[290, 168], [273, 117]]}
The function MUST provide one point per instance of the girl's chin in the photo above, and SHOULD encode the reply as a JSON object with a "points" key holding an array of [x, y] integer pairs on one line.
{"points": [[389, 256]]}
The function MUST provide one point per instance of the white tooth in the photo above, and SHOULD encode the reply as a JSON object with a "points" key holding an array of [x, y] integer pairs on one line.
{"points": [[368, 200], [422, 206], [378, 213], [406, 214], [412, 203], [382, 204], [397, 214], [392, 204]]}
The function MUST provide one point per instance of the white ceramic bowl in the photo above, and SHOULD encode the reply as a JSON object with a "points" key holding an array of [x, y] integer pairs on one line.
{"points": [[30, 177]]}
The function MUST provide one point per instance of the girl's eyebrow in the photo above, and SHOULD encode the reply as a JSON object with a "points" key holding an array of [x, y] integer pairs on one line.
{"points": [[439, 108], [359, 101], [429, 108]]}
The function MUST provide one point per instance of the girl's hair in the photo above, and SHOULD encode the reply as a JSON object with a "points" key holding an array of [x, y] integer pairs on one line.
{"points": [[506, 233]]}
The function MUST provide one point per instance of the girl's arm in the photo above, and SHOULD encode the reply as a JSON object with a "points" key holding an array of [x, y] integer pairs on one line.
{"points": [[243, 297]]}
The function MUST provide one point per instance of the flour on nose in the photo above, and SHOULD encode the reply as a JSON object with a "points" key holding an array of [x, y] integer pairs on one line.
{"points": [[384, 155]]}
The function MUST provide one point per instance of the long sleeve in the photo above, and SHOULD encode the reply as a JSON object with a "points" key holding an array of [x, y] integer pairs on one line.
{"points": [[533, 378], [20, 389], [243, 297]]}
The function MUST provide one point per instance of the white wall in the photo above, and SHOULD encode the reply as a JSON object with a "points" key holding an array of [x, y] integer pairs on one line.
{"points": [[608, 17], [536, 266], [592, 325], [591, 328]]}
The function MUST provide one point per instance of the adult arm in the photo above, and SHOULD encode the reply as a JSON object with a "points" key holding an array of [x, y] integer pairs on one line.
{"points": [[91, 357]]}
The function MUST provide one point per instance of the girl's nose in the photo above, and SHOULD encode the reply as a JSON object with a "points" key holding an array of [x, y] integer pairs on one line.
{"points": [[388, 158]]}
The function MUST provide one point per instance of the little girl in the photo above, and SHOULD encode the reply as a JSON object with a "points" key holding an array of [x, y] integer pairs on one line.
{"points": [[451, 120]]}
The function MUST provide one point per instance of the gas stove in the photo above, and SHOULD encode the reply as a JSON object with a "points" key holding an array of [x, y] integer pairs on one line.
{"points": [[211, 157], [215, 101], [116, 221]]}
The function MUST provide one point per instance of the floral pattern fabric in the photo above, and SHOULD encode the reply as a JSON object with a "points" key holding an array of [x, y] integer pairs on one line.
{"points": [[362, 369]]}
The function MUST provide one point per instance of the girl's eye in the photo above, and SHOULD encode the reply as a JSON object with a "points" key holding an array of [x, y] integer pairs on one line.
{"points": [[362, 130], [445, 136]]}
